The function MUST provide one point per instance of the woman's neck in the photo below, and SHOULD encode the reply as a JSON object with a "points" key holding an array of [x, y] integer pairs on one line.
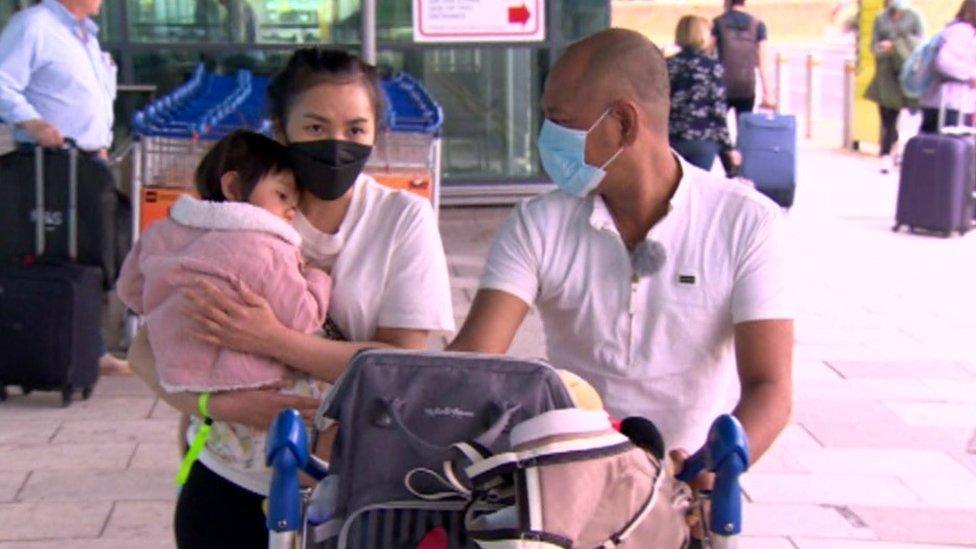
{"points": [[326, 215]]}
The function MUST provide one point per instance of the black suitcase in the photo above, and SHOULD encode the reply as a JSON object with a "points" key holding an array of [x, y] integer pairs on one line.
{"points": [[936, 191], [98, 208], [50, 308]]}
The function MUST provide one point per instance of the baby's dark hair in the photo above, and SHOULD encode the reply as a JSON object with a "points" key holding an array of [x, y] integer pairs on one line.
{"points": [[309, 67], [250, 154]]}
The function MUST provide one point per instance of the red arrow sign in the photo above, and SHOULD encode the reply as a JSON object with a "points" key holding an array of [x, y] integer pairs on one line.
{"points": [[518, 14]]}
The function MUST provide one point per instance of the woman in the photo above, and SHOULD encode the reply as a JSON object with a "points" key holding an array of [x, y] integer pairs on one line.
{"points": [[382, 248], [956, 65], [698, 125], [897, 32]]}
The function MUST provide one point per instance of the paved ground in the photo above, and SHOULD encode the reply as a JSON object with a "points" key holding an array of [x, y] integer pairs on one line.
{"points": [[880, 455]]}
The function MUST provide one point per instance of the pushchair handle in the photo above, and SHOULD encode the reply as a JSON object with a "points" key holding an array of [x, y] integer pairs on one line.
{"points": [[726, 453]]}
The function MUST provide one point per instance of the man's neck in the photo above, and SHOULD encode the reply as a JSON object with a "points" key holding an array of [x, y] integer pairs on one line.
{"points": [[638, 205], [737, 8], [74, 10]]}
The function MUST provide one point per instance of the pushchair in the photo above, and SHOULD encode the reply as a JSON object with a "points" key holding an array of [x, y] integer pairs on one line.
{"points": [[457, 451]]}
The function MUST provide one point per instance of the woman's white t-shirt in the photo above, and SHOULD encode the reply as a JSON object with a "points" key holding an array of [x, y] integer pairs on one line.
{"points": [[388, 270]]}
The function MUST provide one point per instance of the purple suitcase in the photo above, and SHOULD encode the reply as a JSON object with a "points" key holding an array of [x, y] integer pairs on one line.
{"points": [[938, 176]]}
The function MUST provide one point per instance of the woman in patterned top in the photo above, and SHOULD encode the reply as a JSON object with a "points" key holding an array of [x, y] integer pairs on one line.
{"points": [[698, 126]]}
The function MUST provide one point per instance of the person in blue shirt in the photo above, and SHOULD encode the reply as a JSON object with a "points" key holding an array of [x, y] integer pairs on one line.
{"points": [[55, 80]]}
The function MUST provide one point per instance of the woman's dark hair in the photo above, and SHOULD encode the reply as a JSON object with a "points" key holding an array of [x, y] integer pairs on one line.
{"points": [[967, 12], [309, 67], [251, 155]]}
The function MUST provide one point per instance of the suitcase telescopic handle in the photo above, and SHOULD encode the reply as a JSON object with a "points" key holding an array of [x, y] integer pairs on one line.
{"points": [[39, 188]]}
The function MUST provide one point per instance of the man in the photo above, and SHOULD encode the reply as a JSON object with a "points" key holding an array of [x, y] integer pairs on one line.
{"points": [[56, 82], [645, 270], [741, 43]]}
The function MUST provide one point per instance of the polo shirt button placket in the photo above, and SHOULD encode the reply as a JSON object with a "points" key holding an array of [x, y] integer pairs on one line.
{"points": [[631, 318]]}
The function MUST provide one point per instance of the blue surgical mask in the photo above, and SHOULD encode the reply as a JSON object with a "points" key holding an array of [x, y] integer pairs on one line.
{"points": [[563, 151]]}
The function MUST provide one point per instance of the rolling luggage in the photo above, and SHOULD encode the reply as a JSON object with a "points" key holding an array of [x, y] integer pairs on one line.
{"points": [[935, 193], [767, 142], [98, 209], [50, 307]]}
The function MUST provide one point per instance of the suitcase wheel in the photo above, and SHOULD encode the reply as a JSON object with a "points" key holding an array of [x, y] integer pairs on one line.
{"points": [[3, 393], [26, 390], [86, 393], [896, 228], [67, 395]]}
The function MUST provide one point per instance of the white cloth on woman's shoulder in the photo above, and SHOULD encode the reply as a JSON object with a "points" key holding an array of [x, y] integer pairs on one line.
{"points": [[387, 263]]}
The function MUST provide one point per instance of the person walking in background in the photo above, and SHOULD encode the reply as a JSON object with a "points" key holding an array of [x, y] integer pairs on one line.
{"points": [[897, 31], [740, 40], [956, 66], [698, 127]]}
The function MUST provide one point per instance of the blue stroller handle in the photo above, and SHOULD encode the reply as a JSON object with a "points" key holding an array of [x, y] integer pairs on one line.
{"points": [[287, 452], [726, 453]]}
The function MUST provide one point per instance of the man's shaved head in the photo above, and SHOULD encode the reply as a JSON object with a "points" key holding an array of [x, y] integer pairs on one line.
{"points": [[616, 64]]}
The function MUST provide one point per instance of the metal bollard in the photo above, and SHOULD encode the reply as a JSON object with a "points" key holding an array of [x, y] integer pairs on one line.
{"points": [[782, 82], [850, 75], [813, 92]]}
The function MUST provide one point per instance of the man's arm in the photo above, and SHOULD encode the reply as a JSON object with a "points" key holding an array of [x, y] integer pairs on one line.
{"points": [[764, 353], [492, 322]]}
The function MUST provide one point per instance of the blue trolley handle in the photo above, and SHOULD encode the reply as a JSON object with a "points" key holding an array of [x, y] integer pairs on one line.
{"points": [[286, 453], [726, 453]]}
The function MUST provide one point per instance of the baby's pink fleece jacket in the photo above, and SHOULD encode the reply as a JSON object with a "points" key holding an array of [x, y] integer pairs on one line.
{"points": [[225, 243]]}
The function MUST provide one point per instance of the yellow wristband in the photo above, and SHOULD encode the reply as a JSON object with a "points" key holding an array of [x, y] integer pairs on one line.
{"points": [[202, 403]]}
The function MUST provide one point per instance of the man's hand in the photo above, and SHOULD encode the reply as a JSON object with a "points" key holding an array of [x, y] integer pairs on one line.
{"points": [[45, 134], [768, 104], [886, 46]]}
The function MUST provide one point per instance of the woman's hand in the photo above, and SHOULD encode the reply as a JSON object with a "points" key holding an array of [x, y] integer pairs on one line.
{"points": [[247, 326], [258, 408]]}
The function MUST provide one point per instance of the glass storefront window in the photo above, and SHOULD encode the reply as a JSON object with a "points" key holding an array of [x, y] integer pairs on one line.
{"points": [[244, 22], [490, 98]]}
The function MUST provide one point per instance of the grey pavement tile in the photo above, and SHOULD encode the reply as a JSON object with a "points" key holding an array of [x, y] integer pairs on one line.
{"points": [[790, 453], [99, 543], [21, 430], [936, 414], [816, 489], [142, 430], [141, 520], [886, 462], [161, 410], [71, 456], [41, 520], [938, 526], [46, 406], [157, 455], [10, 483], [851, 544], [99, 485], [920, 369], [758, 542], [808, 521], [805, 370], [942, 491], [122, 385]]}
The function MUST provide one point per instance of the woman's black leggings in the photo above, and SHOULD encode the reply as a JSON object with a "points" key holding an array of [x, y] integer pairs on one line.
{"points": [[214, 513], [889, 129]]}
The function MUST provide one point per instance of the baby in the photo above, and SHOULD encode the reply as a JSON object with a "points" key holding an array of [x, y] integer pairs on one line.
{"points": [[239, 232]]}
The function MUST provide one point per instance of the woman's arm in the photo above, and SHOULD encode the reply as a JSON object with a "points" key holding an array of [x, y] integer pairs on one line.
{"points": [[257, 408], [250, 326]]}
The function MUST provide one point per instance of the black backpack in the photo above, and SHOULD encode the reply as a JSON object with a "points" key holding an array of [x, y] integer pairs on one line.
{"points": [[739, 53]]}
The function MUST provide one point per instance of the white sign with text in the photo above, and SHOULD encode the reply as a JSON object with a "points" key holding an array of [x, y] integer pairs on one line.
{"points": [[479, 20]]}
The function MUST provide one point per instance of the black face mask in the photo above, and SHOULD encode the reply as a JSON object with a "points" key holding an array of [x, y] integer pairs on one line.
{"points": [[328, 168]]}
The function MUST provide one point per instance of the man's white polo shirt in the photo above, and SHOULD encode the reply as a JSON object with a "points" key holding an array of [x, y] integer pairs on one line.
{"points": [[660, 347]]}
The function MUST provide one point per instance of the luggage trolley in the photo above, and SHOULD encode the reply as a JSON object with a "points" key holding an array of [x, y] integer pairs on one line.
{"points": [[407, 154], [173, 133]]}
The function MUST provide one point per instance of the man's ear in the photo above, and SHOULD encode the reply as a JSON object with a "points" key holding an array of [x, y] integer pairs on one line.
{"points": [[230, 185], [629, 115]]}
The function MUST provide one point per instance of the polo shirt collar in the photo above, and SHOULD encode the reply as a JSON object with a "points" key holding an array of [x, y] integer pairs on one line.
{"points": [[602, 220], [67, 18]]}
